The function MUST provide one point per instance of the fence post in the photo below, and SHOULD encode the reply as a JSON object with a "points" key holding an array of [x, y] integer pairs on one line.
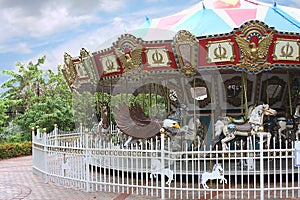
{"points": [[261, 148], [45, 153], [82, 142], [162, 148], [55, 134], [87, 171], [32, 134], [38, 133], [33, 146]]}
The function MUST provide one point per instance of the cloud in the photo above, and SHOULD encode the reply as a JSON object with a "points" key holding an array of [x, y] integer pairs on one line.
{"points": [[22, 48], [95, 40], [295, 4], [41, 18], [111, 6]]}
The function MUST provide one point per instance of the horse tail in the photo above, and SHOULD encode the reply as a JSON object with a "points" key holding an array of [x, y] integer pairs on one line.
{"points": [[200, 178], [219, 125]]}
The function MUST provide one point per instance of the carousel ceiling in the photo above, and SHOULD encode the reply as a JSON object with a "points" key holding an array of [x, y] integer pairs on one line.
{"points": [[235, 34]]}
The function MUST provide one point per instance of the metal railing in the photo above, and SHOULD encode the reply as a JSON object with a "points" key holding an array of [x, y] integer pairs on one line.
{"points": [[152, 168]]}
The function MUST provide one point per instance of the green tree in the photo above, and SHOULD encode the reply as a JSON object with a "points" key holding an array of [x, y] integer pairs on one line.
{"points": [[25, 86], [38, 97], [3, 114], [84, 108], [53, 106]]}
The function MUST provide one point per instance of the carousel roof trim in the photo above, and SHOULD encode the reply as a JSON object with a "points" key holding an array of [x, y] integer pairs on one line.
{"points": [[188, 53]]}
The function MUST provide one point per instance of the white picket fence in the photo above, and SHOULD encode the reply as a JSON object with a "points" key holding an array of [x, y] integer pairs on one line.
{"points": [[150, 168]]}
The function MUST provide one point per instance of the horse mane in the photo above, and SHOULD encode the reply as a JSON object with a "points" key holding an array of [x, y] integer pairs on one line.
{"points": [[215, 166]]}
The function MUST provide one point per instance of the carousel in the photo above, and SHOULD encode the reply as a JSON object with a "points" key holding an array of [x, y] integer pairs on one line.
{"points": [[205, 76]]}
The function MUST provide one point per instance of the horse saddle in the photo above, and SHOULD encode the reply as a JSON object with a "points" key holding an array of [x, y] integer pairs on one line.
{"points": [[246, 127], [237, 120]]}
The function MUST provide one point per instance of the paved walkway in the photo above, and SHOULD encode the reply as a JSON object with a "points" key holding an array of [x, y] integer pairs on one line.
{"points": [[18, 182]]}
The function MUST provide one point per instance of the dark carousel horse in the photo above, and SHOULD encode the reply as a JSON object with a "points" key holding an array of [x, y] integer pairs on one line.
{"points": [[288, 129]]}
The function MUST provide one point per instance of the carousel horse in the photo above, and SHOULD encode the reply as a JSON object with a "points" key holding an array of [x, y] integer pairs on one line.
{"points": [[192, 133], [102, 128], [156, 169], [189, 132], [289, 128], [253, 126], [103, 125], [215, 174]]}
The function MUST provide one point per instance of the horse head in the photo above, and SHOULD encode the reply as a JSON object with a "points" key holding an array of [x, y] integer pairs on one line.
{"points": [[155, 164], [256, 116], [267, 110], [217, 166]]}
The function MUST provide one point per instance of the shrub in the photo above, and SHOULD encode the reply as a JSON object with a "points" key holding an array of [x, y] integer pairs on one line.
{"points": [[12, 133], [11, 150]]}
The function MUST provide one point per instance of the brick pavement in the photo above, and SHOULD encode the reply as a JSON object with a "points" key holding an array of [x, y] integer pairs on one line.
{"points": [[17, 181]]}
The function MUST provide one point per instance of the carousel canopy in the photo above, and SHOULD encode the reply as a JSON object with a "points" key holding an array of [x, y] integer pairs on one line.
{"points": [[220, 16], [243, 35]]}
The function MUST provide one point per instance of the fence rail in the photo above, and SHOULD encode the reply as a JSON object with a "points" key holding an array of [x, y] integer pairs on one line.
{"points": [[81, 160]]}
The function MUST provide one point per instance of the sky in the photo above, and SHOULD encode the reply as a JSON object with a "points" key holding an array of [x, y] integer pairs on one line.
{"points": [[33, 28]]}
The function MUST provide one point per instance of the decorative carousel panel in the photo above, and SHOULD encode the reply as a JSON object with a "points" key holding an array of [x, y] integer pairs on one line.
{"points": [[87, 62], [157, 57], [286, 49], [129, 52], [253, 41], [220, 51], [82, 73], [107, 64], [69, 71], [110, 64], [186, 49]]}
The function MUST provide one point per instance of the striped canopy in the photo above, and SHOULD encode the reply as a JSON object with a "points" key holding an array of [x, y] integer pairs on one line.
{"points": [[210, 17]]}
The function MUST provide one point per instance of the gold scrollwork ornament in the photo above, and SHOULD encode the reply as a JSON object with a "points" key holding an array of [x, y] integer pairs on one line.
{"points": [[253, 57], [109, 64], [287, 51], [157, 57], [130, 60], [220, 52]]}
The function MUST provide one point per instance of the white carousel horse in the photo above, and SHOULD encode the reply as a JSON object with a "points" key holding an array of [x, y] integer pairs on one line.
{"points": [[156, 169], [215, 174], [254, 126], [284, 126]]}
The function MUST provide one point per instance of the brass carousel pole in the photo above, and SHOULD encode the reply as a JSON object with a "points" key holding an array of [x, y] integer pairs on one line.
{"points": [[126, 85], [143, 96], [244, 79], [194, 114], [102, 100], [150, 99], [168, 97], [155, 100], [289, 91], [109, 107]]}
